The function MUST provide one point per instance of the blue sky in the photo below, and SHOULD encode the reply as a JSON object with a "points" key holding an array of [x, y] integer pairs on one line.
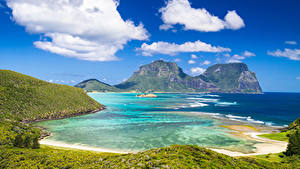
{"points": [[67, 41]]}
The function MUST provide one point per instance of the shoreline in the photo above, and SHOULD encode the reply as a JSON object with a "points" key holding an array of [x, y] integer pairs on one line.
{"points": [[79, 147], [265, 146], [66, 116]]}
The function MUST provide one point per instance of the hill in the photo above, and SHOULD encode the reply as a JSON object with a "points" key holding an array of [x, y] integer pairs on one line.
{"points": [[161, 76], [92, 85], [26, 99]]}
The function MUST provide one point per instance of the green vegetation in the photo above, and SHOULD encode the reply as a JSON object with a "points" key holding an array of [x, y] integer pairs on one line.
{"points": [[27, 99], [93, 85], [170, 157], [286, 134], [233, 77], [294, 138], [294, 143], [282, 136]]}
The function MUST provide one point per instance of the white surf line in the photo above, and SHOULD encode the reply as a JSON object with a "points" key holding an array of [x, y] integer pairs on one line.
{"points": [[266, 147], [78, 147]]}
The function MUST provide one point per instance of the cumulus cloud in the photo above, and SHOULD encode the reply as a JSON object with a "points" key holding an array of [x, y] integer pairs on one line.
{"points": [[197, 70], [191, 62], [193, 56], [206, 62], [173, 48], [177, 60], [84, 29], [181, 12], [291, 42], [292, 54], [238, 58]]}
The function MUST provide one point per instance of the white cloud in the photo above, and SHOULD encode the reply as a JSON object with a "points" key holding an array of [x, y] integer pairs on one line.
{"points": [[191, 62], [173, 49], [181, 12], [177, 60], [248, 54], [233, 21], [206, 62], [298, 78], [292, 54], [165, 27], [291, 42], [84, 29], [193, 56], [232, 60], [197, 70], [238, 58]]}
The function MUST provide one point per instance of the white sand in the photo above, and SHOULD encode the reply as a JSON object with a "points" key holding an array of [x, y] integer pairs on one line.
{"points": [[79, 147], [266, 147]]}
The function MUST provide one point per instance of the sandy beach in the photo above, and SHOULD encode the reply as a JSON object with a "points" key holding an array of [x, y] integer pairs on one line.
{"points": [[266, 146], [78, 147]]}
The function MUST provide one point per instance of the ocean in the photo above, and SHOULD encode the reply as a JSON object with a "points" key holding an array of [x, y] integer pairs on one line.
{"points": [[136, 124]]}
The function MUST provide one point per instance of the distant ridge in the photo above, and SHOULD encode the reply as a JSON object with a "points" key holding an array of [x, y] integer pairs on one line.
{"points": [[161, 76], [91, 85]]}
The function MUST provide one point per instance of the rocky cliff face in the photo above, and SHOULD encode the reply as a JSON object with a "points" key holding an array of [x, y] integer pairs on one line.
{"points": [[161, 76], [233, 78]]}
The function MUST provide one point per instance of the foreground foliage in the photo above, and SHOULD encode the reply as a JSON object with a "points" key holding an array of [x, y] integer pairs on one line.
{"points": [[170, 157]]}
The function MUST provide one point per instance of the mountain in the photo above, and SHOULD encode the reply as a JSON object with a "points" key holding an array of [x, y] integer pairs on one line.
{"points": [[233, 78], [95, 85], [164, 76], [161, 76]]}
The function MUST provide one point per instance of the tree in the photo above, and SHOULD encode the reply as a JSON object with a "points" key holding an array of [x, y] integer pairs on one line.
{"points": [[18, 141], [36, 143], [294, 144], [27, 141]]}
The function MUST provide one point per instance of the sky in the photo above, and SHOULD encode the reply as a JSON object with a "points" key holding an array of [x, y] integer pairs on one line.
{"points": [[67, 41]]}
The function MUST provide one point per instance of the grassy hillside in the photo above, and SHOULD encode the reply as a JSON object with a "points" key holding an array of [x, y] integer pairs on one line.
{"points": [[94, 85], [170, 157], [26, 98]]}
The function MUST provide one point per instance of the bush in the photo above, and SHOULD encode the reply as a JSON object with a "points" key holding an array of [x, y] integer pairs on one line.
{"points": [[294, 144]]}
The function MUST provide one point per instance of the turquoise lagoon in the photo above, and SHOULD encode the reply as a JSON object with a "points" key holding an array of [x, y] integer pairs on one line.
{"points": [[135, 124]]}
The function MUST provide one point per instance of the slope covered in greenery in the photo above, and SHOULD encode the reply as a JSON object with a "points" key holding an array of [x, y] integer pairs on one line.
{"points": [[233, 77], [27, 99], [170, 157], [92, 85]]}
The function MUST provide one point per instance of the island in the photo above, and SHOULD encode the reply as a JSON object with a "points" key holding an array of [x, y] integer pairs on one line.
{"points": [[147, 95]]}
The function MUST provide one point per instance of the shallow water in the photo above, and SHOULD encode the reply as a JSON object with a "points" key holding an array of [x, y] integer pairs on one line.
{"points": [[134, 124]]}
